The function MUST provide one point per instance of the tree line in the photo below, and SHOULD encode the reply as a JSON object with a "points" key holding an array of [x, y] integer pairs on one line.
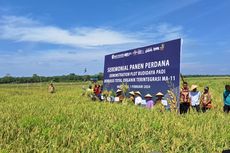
{"points": [[63, 78], [72, 77]]}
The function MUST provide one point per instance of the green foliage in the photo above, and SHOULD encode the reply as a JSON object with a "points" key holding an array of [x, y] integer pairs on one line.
{"points": [[32, 120], [36, 78]]}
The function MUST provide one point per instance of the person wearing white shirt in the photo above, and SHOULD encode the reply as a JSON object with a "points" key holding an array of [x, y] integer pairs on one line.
{"points": [[194, 96], [138, 99]]}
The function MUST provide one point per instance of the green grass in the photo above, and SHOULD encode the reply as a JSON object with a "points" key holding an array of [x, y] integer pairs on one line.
{"points": [[32, 120]]}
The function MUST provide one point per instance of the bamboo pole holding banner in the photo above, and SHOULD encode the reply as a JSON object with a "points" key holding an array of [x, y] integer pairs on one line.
{"points": [[182, 78]]}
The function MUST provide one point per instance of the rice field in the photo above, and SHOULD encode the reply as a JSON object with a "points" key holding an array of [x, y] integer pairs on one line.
{"points": [[33, 120]]}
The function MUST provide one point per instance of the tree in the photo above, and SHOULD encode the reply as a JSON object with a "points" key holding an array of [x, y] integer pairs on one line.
{"points": [[35, 78]]}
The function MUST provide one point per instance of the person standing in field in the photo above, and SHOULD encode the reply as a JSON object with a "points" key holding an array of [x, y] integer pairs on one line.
{"points": [[226, 96], [149, 101], [206, 100], [138, 99], [51, 88], [184, 99], [194, 96], [132, 97], [119, 96], [160, 103]]}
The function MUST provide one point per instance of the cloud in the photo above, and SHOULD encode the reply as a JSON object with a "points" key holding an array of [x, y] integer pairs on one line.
{"points": [[24, 29], [72, 49], [169, 32], [52, 56], [51, 62], [28, 30], [162, 32]]}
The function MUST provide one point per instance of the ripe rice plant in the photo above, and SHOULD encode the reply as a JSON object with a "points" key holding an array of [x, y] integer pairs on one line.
{"points": [[33, 120]]}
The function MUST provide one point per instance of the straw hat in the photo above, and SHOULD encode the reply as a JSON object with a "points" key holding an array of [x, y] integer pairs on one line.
{"points": [[159, 94], [148, 96], [131, 93], [193, 87], [137, 92], [118, 90]]}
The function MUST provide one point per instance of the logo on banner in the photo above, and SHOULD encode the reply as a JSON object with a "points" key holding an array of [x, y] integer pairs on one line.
{"points": [[154, 49], [121, 55], [138, 52], [135, 52], [162, 47]]}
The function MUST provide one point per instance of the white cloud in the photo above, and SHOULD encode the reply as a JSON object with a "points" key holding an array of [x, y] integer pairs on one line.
{"points": [[28, 30], [51, 62], [25, 29], [169, 32], [162, 32], [52, 56], [90, 45]]}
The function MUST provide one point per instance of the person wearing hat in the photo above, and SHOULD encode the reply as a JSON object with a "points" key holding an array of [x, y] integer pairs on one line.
{"points": [[119, 96], [138, 99], [206, 100], [149, 101], [160, 102], [194, 96], [184, 98], [131, 96], [226, 96]]}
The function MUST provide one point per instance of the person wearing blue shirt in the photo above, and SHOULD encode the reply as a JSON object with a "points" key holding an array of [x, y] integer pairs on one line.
{"points": [[226, 96]]}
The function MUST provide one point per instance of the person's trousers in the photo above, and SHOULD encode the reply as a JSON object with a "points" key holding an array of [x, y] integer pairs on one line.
{"points": [[204, 109], [184, 107], [197, 107], [226, 108]]}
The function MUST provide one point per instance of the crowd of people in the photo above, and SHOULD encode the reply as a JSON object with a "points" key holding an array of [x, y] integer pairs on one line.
{"points": [[190, 98], [194, 99]]}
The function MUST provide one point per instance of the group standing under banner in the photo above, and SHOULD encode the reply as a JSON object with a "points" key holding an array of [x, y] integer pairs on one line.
{"points": [[190, 98]]}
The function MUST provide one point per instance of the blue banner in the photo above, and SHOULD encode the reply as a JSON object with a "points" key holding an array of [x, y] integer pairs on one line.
{"points": [[150, 69]]}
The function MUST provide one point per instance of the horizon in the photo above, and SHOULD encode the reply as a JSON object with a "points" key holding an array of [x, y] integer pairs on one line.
{"points": [[51, 38], [185, 75]]}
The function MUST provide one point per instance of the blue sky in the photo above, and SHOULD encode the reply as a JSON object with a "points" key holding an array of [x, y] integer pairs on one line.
{"points": [[56, 37]]}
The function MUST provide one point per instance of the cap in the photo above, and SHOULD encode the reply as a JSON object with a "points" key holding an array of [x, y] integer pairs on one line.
{"points": [[193, 87], [148, 96], [131, 93], [159, 94], [118, 90], [137, 92]]}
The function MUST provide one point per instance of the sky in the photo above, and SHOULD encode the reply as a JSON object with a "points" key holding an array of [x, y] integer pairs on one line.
{"points": [[58, 37]]}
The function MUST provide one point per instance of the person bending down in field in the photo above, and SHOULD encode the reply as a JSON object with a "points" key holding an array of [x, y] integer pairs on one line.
{"points": [[89, 91], [226, 96], [138, 99], [194, 96], [184, 98], [161, 103], [51, 88], [149, 101], [206, 100]]}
